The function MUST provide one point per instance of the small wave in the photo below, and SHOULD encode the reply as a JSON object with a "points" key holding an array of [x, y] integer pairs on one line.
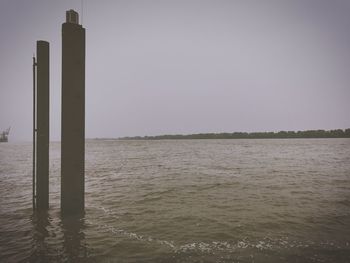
{"points": [[131, 235], [228, 247], [217, 246]]}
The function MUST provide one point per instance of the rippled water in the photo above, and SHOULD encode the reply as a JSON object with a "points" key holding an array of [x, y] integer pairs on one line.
{"points": [[185, 201]]}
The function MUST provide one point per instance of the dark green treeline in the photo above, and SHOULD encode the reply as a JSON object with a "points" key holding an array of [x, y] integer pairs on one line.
{"points": [[339, 133]]}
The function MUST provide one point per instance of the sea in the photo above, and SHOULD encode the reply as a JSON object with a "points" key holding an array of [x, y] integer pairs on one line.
{"points": [[264, 200]]}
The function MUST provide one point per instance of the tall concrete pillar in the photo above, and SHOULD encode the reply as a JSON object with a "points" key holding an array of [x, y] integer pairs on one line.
{"points": [[42, 125], [73, 115]]}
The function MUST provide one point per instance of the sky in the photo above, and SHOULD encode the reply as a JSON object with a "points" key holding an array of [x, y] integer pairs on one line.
{"points": [[185, 66]]}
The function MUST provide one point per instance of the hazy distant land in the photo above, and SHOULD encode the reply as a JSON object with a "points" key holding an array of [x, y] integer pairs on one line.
{"points": [[339, 133]]}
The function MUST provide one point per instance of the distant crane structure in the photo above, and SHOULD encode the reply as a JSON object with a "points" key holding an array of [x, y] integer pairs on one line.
{"points": [[4, 135]]}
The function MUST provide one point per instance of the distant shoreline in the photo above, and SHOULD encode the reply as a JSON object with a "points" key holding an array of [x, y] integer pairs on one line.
{"points": [[317, 134]]}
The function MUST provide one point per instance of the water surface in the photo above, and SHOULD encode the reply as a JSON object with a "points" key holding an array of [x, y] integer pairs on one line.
{"points": [[185, 201]]}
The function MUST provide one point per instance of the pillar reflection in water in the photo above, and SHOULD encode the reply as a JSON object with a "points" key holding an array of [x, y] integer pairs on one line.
{"points": [[74, 247], [57, 240], [40, 250]]}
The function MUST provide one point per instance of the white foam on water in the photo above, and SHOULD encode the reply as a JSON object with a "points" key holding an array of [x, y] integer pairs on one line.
{"points": [[203, 247], [131, 235], [214, 246]]}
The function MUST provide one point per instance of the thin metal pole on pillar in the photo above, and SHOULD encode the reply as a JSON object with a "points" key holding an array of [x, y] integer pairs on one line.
{"points": [[34, 134]]}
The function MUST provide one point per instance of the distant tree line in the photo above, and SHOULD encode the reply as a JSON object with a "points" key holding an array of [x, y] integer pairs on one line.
{"points": [[339, 133]]}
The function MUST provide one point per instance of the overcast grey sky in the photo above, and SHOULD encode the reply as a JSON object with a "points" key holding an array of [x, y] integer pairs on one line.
{"points": [[165, 67]]}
